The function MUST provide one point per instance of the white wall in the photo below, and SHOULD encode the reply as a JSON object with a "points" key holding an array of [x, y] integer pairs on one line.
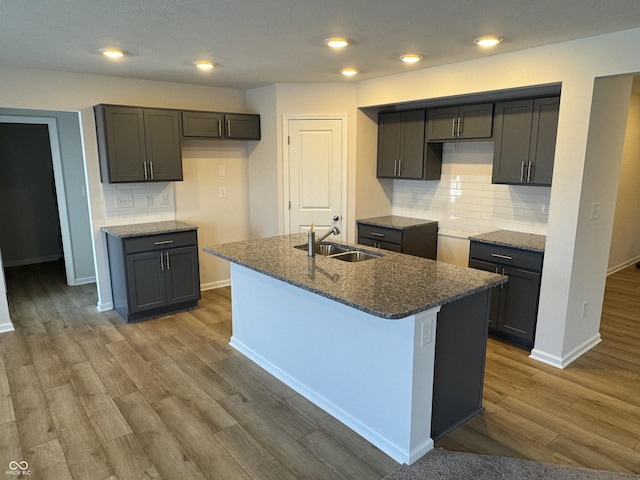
{"points": [[625, 240], [37, 89]]}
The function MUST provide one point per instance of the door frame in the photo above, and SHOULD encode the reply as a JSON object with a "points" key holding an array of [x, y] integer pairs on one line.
{"points": [[286, 196], [58, 177]]}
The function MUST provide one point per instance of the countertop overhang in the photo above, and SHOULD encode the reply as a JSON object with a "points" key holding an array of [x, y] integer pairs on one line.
{"points": [[393, 286]]}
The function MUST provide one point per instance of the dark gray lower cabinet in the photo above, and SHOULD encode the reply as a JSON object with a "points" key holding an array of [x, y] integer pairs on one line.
{"points": [[154, 275], [421, 241], [514, 305], [461, 342]]}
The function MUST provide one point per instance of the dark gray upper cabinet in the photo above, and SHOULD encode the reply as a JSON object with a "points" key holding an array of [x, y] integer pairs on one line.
{"points": [[231, 126], [402, 150], [460, 123], [525, 140], [138, 144]]}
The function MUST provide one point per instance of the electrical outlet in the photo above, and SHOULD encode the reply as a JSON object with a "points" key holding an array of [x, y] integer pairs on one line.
{"points": [[124, 201], [595, 211], [425, 332], [544, 209], [223, 192], [148, 200], [165, 199], [584, 309], [222, 171]]}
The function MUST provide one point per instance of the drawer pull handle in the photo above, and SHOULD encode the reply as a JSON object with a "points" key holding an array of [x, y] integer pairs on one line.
{"points": [[377, 234], [163, 242], [497, 255]]}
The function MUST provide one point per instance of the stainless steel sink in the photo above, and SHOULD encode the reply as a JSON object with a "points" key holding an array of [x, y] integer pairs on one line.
{"points": [[355, 256], [341, 252]]}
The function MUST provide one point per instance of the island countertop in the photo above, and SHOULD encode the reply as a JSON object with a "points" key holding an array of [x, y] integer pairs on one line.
{"points": [[393, 286]]}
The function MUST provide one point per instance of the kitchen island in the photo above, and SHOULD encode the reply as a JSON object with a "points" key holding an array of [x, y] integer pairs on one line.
{"points": [[393, 346]]}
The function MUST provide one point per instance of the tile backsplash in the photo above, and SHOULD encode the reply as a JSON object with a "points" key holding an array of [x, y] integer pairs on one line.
{"points": [[126, 203], [465, 202]]}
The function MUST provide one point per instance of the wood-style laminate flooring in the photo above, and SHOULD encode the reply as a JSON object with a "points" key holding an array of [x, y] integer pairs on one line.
{"points": [[85, 396]]}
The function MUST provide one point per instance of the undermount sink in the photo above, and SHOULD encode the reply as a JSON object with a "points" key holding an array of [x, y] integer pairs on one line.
{"points": [[341, 252]]}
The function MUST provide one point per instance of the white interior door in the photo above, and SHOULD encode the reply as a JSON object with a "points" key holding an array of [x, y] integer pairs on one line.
{"points": [[316, 161]]}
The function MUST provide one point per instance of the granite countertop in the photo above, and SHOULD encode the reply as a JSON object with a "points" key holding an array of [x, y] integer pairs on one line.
{"points": [[508, 238], [144, 229], [393, 286], [397, 222]]}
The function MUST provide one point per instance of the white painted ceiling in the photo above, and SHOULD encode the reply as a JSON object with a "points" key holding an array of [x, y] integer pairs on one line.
{"points": [[262, 42]]}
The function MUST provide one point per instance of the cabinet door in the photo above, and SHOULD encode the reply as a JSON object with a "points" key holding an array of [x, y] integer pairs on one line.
{"points": [[495, 297], [121, 138], [520, 305], [543, 139], [182, 275], [145, 281], [441, 123], [412, 155], [162, 139], [242, 126], [202, 124], [389, 143], [476, 121], [512, 141]]}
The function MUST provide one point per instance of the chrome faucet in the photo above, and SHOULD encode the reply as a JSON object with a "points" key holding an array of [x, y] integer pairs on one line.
{"points": [[311, 250]]}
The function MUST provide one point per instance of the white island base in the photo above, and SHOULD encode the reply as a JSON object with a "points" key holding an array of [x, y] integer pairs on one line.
{"points": [[374, 375]]}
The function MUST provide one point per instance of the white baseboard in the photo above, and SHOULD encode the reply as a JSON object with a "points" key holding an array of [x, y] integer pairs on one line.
{"points": [[622, 266], [6, 327], [214, 285], [565, 360], [104, 307], [85, 280], [30, 261]]}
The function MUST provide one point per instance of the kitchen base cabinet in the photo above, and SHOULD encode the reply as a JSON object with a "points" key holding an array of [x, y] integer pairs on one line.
{"points": [[154, 275], [514, 305], [411, 236]]}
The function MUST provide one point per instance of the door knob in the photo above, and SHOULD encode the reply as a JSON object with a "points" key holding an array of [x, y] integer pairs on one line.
{"points": [[336, 218]]}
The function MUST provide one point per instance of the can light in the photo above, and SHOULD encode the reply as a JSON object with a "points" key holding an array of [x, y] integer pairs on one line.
{"points": [[337, 42], [488, 41], [113, 52], [411, 58], [204, 65], [349, 72]]}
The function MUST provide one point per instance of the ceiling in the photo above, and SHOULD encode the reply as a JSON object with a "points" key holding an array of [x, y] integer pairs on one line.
{"points": [[262, 42]]}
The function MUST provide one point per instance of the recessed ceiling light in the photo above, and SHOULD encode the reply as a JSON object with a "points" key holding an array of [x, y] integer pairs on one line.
{"points": [[488, 41], [204, 65], [113, 52], [349, 72], [337, 42], [411, 58]]}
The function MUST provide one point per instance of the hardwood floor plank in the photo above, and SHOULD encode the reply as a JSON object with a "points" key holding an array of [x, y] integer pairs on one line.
{"points": [[199, 403], [6, 403], [151, 386], [26, 315], [161, 446], [48, 462], [129, 460], [108, 369], [46, 361], [106, 419], [287, 450], [340, 460], [66, 347], [10, 448], [15, 350], [199, 441], [33, 419], [85, 457], [252, 456]]}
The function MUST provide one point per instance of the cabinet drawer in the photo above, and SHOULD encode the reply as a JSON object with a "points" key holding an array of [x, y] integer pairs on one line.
{"points": [[380, 234], [160, 242], [394, 247], [506, 256]]}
